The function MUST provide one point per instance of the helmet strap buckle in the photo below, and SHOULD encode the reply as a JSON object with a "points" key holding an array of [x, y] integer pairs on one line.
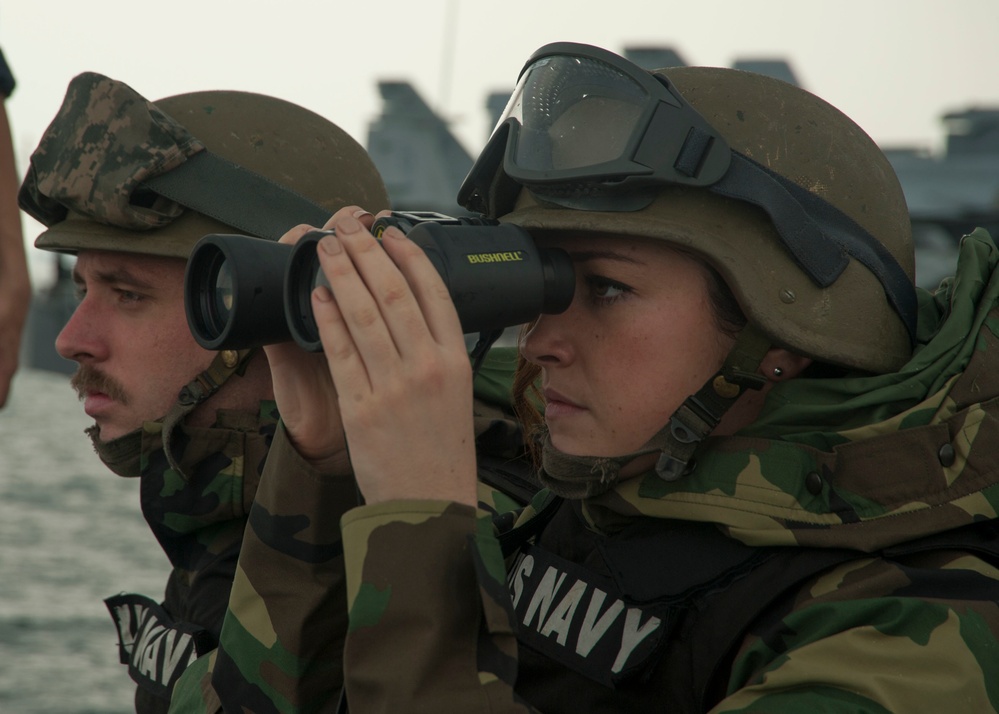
{"points": [[198, 390], [700, 413]]}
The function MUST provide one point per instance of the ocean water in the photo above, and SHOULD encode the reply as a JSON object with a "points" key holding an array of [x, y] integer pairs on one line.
{"points": [[70, 535]]}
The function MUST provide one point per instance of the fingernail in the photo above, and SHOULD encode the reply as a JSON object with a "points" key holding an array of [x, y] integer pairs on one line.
{"points": [[348, 225], [362, 213], [322, 294], [330, 244]]}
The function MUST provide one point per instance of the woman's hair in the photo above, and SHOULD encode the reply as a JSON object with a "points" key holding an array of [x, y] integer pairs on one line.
{"points": [[528, 402]]}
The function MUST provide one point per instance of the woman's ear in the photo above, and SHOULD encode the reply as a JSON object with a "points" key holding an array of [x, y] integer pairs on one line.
{"points": [[779, 364]]}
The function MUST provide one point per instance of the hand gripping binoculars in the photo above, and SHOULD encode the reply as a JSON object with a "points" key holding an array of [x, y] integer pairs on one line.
{"points": [[242, 292]]}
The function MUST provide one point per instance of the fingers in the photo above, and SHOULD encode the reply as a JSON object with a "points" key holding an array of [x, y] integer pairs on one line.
{"points": [[397, 357], [428, 287], [355, 336], [355, 212], [295, 234], [349, 372], [390, 304]]}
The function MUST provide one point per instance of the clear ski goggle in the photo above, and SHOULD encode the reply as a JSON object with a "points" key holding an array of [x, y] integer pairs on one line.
{"points": [[589, 130], [584, 120]]}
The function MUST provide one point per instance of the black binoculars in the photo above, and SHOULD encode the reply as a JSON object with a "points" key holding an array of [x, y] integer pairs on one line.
{"points": [[242, 292]]}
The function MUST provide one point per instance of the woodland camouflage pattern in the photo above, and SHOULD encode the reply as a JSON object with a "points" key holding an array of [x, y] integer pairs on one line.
{"points": [[868, 466], [282, 641], [199, 518]]}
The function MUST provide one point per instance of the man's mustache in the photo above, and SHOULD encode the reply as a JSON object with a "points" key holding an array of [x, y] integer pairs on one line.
{"points": [[88, 379]]}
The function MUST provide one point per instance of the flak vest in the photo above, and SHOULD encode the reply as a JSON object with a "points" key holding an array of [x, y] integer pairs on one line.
{"points": [[651, 619]]}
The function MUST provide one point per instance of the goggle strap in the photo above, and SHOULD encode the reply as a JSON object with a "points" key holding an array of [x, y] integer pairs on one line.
{"points": [[867, 251], [237, 196], [822, 260], [695, 148], [820, 247]]}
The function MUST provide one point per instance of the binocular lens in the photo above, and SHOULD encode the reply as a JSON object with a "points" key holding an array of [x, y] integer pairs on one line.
{"points": [[223, 292], [304, 276], [232, 292], [211, 301]]}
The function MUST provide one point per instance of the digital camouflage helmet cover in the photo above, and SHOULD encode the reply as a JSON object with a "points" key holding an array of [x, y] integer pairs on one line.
{"points": [[117, 172]]}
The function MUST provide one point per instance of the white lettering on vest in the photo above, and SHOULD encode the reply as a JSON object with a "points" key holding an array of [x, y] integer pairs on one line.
{"points": [[633, 634], [146, 651], [155, 648], [561, 617], [592, 628], [173, 654], [525, 566], [127, 622], [577, 617], [543, 596]]}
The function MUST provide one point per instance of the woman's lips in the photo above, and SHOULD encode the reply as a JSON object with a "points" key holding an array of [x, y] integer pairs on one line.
{"points": [[557, 405]]}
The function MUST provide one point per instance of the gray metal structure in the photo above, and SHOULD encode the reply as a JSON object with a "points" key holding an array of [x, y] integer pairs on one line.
{"points": [[420, 160], [953, 192]]}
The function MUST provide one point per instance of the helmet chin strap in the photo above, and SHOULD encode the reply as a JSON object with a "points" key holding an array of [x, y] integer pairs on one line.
{"points": [[225, 364], [700, 413]]}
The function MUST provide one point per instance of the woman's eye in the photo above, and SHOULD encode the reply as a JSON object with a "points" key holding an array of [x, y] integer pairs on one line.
{"points": [[604, 289]]}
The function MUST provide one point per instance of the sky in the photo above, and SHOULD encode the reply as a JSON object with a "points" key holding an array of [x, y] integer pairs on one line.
{"points": [[894, 66]]}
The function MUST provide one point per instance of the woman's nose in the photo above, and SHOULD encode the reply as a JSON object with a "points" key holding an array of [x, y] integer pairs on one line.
{"points": [[547, 343]]}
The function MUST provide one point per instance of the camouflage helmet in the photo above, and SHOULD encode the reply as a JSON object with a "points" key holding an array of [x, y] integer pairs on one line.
{"points": [[798, 138], [107, 143]]}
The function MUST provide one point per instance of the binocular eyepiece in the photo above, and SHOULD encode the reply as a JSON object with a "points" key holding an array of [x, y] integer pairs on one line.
{"points": [[242, 292]]}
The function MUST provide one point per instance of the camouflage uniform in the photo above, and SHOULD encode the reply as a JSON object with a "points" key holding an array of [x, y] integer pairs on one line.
{"points": [[838, 554], [873, 483], [198, 515], [102, 178], [278, 658]]}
